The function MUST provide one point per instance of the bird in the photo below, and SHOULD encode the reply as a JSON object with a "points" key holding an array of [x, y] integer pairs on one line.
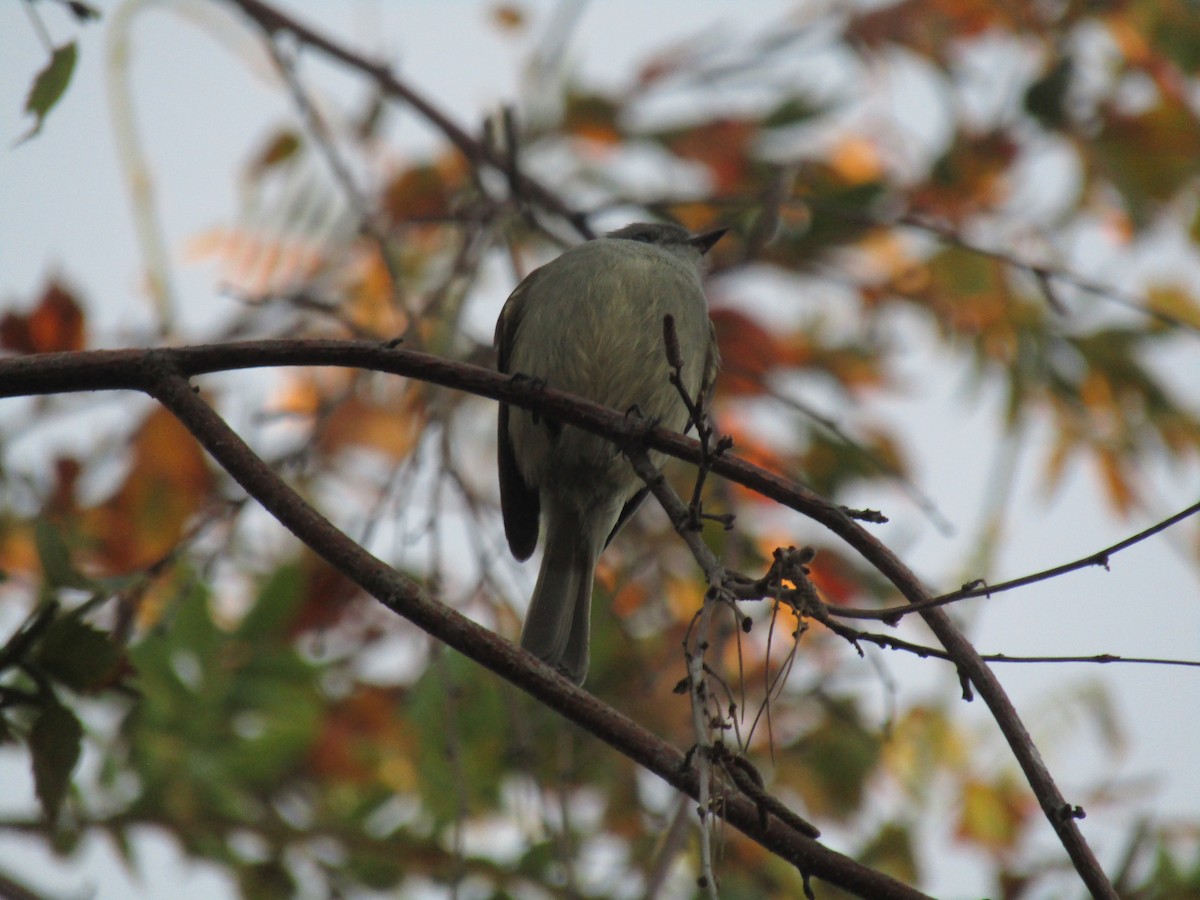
{"points": [[591, 322]]}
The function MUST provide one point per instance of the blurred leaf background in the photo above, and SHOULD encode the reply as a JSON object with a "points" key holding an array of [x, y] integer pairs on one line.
{"points": [[910, 185]]}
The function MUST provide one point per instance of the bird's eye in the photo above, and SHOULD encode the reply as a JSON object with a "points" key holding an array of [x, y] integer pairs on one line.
{"points": [[645, 236]]}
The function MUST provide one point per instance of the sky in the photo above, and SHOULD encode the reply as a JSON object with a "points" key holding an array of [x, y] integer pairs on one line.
{"points": [[203, 107]]}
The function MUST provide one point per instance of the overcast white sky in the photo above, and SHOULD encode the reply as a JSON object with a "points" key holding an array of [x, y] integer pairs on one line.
{"points": [[63, 208]]}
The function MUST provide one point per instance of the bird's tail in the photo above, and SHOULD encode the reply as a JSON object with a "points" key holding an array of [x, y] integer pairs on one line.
{"points": [[559, 620]]}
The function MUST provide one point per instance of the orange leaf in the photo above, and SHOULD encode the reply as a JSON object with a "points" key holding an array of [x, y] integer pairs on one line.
{"points": [[592, 117], [363, 740], [1112, 471], [328, 594], [723, 145], [748, 445], [629, 599], [508, 17], [18, 549], [972, 175], [834, 578], [419, 192], [169, 481], [748, 352], [391, 426], [856, 161], [370, 294], [258, 261], [932, 27], [1129, 39], [55, 323]]}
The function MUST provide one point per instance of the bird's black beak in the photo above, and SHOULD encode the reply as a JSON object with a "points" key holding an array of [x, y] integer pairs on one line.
{"points": [[704, 241]]}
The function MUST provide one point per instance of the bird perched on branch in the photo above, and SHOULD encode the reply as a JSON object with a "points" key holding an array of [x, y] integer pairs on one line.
{"points": [[591, 323]]}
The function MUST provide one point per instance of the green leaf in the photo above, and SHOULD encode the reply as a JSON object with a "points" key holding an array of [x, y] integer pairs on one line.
{"points": [[1172, 29], [76, 654], [463, 722], [267, 880], [1046, 99], [55, 557], [54, 742], [792, 111], [281, 149], [83, 12], [273, 707], [49, 86], [832, 763], [891, 851], [1148, 156], [276, 607]]}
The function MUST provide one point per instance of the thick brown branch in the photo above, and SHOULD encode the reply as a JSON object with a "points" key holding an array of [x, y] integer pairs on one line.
{"points": [[136, 369], [163, 374]]}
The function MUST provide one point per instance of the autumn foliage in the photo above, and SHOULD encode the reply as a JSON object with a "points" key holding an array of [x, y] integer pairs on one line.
{"points": [[252, 688]]}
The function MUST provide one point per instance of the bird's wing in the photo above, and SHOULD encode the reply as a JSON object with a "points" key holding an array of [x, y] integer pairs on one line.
{"points": [[519, 503]]}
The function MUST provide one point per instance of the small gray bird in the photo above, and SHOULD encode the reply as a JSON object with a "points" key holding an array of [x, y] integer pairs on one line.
{"points": [[591, 323]]}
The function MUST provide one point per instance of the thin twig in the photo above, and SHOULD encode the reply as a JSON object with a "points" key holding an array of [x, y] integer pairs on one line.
{"points": [[695, 648], [322, 136], [670, 846], [1045, 275], [38, 25], [273, 20], [979, 588]]}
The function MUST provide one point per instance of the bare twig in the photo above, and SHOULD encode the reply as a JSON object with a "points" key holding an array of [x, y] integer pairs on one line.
{"points": [[698, 698], [681, 518], [38, 26], [1045, 275], [892, 614], [273, 21], [321, 135]]}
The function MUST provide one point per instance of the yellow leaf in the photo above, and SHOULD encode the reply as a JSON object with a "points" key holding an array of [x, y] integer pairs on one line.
{"points": [[921, 742], [992, 815], [1176, 302], [856, 160]]}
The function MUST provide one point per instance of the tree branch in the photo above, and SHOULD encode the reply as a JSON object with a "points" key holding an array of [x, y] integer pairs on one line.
{"points": [[163, 375], [148, 370]]}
